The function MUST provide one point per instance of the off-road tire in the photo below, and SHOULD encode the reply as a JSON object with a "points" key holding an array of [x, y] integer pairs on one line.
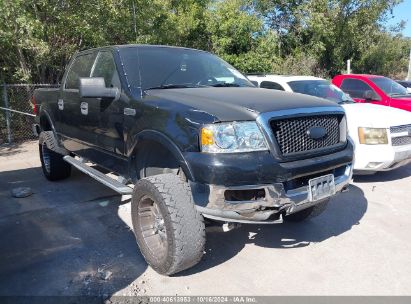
{"points": [[52, 162], [307, 213], [184, 225]]}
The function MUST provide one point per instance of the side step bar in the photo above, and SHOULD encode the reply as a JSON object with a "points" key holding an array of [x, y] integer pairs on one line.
{"points": [[99, 176]]}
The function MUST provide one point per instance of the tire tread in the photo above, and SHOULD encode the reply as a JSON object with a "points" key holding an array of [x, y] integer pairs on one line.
{"points": [[187, 222]]}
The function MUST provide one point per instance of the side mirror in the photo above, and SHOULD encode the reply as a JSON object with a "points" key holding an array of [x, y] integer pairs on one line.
{"points": [[95, 87], [370, 95]]}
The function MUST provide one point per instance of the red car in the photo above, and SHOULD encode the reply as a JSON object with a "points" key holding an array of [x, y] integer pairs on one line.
{"points": [[374, 89]]}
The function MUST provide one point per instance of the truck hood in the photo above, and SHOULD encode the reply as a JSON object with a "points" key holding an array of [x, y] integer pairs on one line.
{"points": [[401, 102], [229, 104], [375, 116]]}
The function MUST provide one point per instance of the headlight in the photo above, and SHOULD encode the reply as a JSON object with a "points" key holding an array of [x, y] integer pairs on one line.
{"points": [[232, 137], [373, 136]]}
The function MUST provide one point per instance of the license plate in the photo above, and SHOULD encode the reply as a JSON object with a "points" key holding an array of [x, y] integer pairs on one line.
{"points": [[321, 187]]}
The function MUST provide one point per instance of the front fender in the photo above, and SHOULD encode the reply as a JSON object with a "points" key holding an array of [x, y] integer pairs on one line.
{"points": [[165, 141]]}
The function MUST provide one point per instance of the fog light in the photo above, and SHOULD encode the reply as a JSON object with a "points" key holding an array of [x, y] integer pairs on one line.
{"points": [[373, 165], [244, 195]]}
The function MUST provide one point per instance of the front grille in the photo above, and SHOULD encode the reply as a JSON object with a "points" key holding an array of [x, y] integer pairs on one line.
{"points": [[401, 141], [292, 136], [400, 129]]}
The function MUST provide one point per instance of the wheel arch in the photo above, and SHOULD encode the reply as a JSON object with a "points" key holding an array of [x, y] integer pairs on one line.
{"points": [[46, 123], [145, 138]]}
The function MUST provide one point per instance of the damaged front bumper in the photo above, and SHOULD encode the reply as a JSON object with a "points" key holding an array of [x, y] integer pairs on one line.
{"points": [[261, 204]]}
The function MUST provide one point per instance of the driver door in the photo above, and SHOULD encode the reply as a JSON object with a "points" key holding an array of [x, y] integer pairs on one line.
{"points": [[356, 88], [109, 129]]}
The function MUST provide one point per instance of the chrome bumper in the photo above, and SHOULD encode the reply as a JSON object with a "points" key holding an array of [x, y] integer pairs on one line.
{"points": [[277, 201]]}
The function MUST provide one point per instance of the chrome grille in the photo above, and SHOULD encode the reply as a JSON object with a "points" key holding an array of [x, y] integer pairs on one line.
{"points": [[401, 141], [400, 129], [292, 136]]}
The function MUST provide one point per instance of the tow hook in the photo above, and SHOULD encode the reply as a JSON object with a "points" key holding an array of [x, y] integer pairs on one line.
{"points": [[230, 226]]}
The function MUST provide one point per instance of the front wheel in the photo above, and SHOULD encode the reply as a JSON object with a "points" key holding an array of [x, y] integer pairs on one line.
{"points": [[307, 213], [168, 228]]}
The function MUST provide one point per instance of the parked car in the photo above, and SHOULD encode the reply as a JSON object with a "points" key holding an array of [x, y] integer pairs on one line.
{"points": [[374, 89], [406, 84], [382, 135], [196, 139]]}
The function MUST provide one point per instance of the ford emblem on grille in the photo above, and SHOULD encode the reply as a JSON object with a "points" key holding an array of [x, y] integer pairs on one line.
{"points": [[317, 132]]}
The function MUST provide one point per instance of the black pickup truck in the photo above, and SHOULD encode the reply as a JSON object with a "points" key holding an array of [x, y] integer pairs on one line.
{"points": [[196, 139]]}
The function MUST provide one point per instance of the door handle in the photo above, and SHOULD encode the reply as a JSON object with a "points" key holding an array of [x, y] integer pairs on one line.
{"points": [[60, 104], [84, 108], [129, 111]]}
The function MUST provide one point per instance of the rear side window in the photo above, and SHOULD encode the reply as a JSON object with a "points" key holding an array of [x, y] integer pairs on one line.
{"points": [[271, 85], [106, 68], [405, 84], [81, 67], [355, 87]]}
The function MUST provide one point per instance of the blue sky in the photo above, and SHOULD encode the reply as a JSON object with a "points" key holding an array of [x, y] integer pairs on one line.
{"points": [[403, 12]]}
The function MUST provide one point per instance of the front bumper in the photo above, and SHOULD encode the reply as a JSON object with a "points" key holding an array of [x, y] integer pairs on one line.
{"points": [[279, 199], [259, 168], [373, 158]]}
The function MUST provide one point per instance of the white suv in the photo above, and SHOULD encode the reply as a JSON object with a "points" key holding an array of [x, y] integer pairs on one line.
{"points": [[382, 135]]}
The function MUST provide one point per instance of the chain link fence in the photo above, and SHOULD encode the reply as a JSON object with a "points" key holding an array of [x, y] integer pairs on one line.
{"points": [[17, 111]]}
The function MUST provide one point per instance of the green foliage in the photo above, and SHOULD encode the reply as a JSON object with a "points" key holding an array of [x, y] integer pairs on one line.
{"points": [[239, 37], [388, 55], [37, 38]]}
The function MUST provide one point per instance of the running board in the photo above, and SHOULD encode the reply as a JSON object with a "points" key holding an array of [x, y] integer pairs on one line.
{"points": [[99, 176]]}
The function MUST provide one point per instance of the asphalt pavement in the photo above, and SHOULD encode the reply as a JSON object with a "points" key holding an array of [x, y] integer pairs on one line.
{"points": [[74, 237]]}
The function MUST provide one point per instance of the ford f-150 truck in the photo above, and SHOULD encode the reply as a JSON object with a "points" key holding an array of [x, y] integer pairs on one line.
{"points": [[196, 139], [374, 89]]}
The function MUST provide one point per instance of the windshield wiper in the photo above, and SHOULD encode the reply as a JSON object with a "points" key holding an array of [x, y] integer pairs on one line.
{"points": [[398, 94], [172, 86], [224, 84], [345, 102]]}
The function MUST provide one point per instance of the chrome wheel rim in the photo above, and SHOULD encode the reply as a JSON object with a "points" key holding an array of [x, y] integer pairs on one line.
{"points": [[152, 227], [46, 157]]}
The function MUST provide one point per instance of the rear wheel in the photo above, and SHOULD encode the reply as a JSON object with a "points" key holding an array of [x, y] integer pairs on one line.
{"points": [[307, 213], [53, 165], [168, 228]]}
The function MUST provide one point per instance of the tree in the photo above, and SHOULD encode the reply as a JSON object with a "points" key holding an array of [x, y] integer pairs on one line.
{"points": [[38, 37], [238, 36], [330, 30]]}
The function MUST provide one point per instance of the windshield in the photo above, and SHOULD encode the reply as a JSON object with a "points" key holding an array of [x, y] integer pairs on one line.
{"points": [[320, 88], [390, 87], [166, 68]]}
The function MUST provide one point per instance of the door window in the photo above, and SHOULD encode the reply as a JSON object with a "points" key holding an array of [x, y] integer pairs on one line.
{"points": [[80, 67], [106, 68], [355, 87], [271, 85]]}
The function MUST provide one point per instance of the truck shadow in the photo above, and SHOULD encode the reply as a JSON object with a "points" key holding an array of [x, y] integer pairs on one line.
{"points": [[68, 238], [65, 239], [343, 212]]}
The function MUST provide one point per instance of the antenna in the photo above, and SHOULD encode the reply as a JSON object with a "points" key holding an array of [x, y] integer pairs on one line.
{"points": [[409, 69]]}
